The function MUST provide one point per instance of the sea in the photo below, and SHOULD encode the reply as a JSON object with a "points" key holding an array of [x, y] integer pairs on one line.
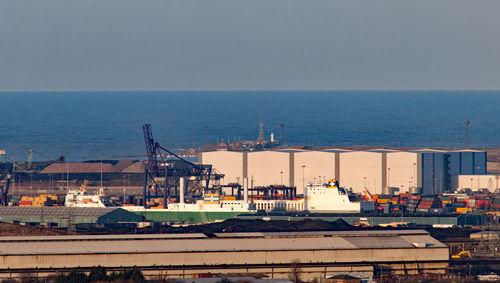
{"points": [[86, 125]]}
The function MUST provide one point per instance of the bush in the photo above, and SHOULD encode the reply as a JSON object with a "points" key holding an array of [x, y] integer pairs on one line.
{"points": [[98, 273], [133, 274], [74, 276]]}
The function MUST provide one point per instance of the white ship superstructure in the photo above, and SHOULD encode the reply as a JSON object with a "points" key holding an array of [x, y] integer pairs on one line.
{"points": [[319, 197], [329, 197], [80, 198]]}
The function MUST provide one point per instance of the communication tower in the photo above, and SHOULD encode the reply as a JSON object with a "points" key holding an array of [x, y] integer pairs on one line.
{"points": [[261, 128]]}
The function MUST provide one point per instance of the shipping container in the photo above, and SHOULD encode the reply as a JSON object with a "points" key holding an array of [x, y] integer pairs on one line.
{"points": [[463, 209]]}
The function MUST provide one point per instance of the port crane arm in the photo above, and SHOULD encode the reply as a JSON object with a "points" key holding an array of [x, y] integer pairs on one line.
{"points": [[6, 169]]}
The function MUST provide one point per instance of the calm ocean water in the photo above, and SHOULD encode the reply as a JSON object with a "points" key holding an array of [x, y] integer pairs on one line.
{"points": [[83, 125]]}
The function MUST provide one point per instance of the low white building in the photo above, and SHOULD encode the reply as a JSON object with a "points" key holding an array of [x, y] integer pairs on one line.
{"points": [[489, 182]]}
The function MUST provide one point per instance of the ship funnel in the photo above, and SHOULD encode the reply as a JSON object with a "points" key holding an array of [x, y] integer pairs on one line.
{"points": [[306, 196]]}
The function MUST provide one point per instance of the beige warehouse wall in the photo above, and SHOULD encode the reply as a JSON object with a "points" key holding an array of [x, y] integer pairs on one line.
{"points": [[265, 167], [402, 170], [317, 165], [359, 168], [475, 182], [228, 163]]}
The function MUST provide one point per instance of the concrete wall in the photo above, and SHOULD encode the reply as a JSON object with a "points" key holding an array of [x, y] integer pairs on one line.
{"points": [[311, 165], [229, 163], [402, 170], [360, 168], [475, 182], [269, 168]]}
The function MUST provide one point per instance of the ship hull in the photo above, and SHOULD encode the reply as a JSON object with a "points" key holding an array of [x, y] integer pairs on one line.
{"points": [[187, 216]]}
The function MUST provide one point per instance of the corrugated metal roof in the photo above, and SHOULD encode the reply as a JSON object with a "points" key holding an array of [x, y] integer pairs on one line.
{"points": [[79, 168], [134, 244], [137, 167], [122, 164], [337, 149], [291, 150], [102, 237], [57, 212], [422, 239], [382, 242], [324, 233]]}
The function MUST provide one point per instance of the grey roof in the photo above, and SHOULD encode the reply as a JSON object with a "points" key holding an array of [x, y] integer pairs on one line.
{"points": [[122, 164], [55, 211], [376, 233], [79, 168], [101, 237], [197, 243], [137, 167]]}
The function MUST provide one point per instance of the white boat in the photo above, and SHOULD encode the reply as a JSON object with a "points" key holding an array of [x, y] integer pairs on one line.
{"points": [[80, 198], [319, 198], [329, 197]]}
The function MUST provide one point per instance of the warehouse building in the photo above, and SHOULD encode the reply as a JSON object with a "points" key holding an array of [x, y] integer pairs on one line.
{"points": [[488, 182], [382, 171], [270, 167], [403, 170], [62, 217], [315, 254], [362, 169], [309, 165]]}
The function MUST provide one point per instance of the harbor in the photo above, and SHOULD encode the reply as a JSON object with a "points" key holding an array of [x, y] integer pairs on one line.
{"points": [[444, 214]]}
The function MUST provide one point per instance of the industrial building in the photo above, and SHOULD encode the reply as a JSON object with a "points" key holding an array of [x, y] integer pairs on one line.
{"points": [[62, 217], [382, 171], [488, 182], [315, 254]]}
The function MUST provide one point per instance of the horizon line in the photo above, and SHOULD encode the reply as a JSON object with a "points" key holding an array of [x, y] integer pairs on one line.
{"points": [[247, 90]]}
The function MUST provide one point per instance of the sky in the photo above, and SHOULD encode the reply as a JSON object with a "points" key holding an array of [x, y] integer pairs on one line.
{"points": [[249, 45]]}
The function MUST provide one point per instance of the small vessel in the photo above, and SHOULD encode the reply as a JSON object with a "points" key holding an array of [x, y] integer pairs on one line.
{"points": [[80, 198], [330, 197]]}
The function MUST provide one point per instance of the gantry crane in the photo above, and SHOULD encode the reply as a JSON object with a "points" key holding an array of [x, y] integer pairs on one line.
{"points": [[158, 169], [7, 168]]}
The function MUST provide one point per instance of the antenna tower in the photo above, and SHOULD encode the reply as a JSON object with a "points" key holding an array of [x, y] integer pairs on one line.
{"points": [[261, 128]]}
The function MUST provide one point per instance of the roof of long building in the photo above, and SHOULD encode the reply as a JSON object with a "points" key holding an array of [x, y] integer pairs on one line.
{"points": [[79, 168], [54, 211], [416, 239]]}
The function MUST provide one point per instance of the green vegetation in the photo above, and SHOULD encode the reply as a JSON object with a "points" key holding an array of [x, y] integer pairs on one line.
{"points": [[100, 274]]}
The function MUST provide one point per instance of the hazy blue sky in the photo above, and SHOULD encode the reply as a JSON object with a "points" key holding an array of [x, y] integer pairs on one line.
{"points": [[249, 45]]}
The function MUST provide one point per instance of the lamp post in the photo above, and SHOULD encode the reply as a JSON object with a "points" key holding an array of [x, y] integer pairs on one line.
{"points": [[123, 189], [414, 174], [281, 172], [303, 177]]}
